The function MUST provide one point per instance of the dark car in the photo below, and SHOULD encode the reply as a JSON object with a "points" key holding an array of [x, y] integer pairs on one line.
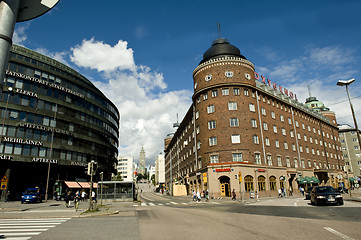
{"points": [[342, 190], [325, 195], [308, 193], [31, 195]]}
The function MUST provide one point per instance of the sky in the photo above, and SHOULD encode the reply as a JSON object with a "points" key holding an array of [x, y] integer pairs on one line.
{"points": [[141, 54]]}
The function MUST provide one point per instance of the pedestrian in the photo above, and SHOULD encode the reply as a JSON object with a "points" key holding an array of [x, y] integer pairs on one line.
{"points": [[83, 196], [94, 196], [77, 200], [194, 195], [280, 193], [234, 195], [207, 195], [198, 196], [67, 199], [302, 191]]}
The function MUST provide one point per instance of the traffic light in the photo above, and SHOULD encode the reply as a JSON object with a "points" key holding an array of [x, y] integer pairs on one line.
{"points": [[89, 168]]}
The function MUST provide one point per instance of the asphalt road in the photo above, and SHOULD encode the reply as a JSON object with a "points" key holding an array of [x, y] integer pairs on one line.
{"points": [[166, 217]]}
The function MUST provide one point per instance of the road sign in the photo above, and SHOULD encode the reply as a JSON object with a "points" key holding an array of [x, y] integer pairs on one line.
{"points": [[4, 179], [4, 185], [30, 9]]}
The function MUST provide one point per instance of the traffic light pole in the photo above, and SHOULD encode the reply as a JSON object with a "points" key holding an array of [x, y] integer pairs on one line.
{"points": [[91, 187]]}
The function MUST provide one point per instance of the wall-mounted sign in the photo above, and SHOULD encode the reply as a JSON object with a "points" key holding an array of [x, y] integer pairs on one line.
{"points": [[43, 82], [44, 160], [81, 164], [274, 85], [223, 170], [44, 128], [26, 93], [261, 170], [22, 141], [6, 157]]}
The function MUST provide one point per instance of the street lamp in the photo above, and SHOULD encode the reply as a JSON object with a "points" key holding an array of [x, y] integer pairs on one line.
{"points": [[346, 83]]}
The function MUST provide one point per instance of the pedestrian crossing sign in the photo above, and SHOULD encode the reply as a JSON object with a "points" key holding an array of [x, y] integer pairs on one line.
{"points": [[4, 179]]}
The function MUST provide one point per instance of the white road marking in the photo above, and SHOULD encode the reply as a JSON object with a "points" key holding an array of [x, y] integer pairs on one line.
{"points": [[20, 234], [135, 205], [174, 203], [27, 230], [160, 204], [151, 204], [143, 204], [338, 233]]}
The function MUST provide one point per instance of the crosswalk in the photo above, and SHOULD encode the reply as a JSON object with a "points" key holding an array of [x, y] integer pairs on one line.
{"points": [[152, 204], [23, 229]]}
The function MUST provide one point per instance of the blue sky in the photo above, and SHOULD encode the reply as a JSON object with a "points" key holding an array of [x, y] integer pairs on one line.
{"points": [[141, 54]]}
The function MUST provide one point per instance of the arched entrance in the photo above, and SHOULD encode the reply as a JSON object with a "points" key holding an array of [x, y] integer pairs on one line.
{"points": [[225, 186]]}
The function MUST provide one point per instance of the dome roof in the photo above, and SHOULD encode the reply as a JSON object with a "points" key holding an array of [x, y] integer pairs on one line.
{"points": [[221, 48]]}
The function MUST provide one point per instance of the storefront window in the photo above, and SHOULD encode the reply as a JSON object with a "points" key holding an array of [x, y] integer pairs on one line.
{"points": [[248, 183], [261, 183], [272, 183]]}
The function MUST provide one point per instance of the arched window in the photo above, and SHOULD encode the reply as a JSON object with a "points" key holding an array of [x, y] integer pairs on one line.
{"points": [[248, 183], [261, 183], [272, 183]]}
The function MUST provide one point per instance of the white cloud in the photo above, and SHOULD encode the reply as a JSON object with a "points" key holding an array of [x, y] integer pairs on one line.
{"points": [[103, 57], [19, 36], [147, 110]]}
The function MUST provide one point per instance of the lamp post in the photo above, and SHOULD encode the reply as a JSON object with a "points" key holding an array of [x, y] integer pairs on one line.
{"points": [[7, 173], [346, 83]]}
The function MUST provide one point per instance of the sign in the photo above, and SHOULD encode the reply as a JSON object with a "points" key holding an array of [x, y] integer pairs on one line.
{"points": [[4, 179], [44, 160], [281, 89], [4, 185], [240, 176], [205, 179], [22, 141], [261, 170], [223, 170], [204, 174]]}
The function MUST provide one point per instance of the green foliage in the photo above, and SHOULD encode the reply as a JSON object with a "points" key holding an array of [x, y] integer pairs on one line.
{"points": [[117, 178]]}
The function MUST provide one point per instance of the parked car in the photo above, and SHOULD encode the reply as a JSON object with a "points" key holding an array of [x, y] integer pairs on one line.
{"points": [[31, 195], [325, 195], [342, 190], [308, 193]]}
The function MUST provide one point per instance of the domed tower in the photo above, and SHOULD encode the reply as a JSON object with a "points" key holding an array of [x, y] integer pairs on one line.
{"points": [[222, 81]]}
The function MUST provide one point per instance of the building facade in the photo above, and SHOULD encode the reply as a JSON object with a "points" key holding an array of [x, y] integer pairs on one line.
{"points": [[160, 170], [351, 152], [126, 168], [54, 119], [247, 133], [151, 172]]}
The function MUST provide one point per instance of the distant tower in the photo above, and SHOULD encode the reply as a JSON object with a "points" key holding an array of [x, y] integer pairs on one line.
{"points": [[142, 161]]}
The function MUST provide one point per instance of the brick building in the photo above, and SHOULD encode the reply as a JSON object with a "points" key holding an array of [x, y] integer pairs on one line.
{"points": [[247, 133]]}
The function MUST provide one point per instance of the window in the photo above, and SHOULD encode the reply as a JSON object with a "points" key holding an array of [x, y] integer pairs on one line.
{"points": [[233, 122], [245, 92], [305, 138], [254, 123], [236, 139], [251, 107], [205, 96], [283, 131], [257, 158], [229, 74], [267, 141], [269, 160], [197, 114], [273, 115], [225, 91], [214, 159], [212, 141], [237, 157], [303, 126], [285, 145], [274, 128], [272, 183], [289, 121], [288, 162], [248, 183], [277, 143], [232, 106], [279, 161], [296, 163], [291, 134], [261, 183], [236, 91], [210, 109], [263, 111], [293, 147], [212, 124], [282, 118], [255, 139], [214, 93], [265, 126]]}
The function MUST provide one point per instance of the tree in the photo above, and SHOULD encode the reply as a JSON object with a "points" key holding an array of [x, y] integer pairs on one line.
{"points": [[117, 178]]}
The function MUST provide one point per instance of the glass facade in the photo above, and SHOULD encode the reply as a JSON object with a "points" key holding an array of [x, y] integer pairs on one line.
{"points": [[41, 98]]}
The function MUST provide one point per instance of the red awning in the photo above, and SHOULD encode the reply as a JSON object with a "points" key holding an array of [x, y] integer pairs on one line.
{"points": [[72, 184], [87, 185]]}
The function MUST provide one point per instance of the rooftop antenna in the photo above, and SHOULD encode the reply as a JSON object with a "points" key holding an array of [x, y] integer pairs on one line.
{"points": [[175, 125], [219, 30], [309, 90]]}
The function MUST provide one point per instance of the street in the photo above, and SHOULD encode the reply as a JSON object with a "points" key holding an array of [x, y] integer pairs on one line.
{"points": [[167, 217]]}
